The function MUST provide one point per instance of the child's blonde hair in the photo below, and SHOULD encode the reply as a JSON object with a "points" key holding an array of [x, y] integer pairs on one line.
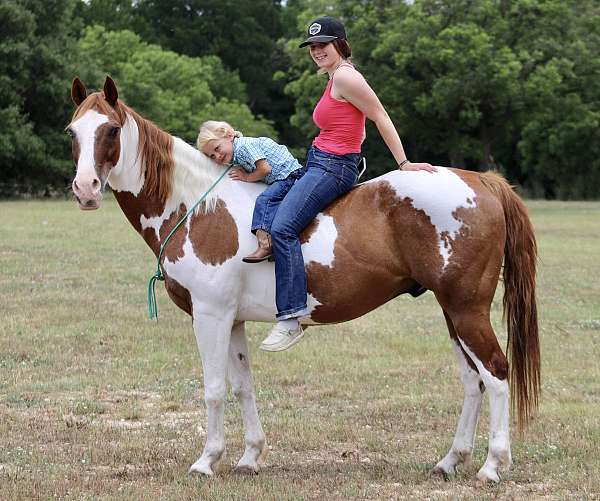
{"points": [[214, 129]]}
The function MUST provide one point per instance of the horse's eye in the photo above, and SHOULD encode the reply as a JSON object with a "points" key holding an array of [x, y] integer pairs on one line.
{"points": [[113, 131], [70, 132]]}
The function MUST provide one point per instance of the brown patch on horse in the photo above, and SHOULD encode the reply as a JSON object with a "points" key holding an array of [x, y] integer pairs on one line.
{"points": [[75, 150], [107, 148], [179, 295], [379, 262], [142, 205], [174, 248], [214, 235], [134, 207], [155, 146]]}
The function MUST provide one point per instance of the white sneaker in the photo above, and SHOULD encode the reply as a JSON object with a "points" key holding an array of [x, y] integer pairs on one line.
{"points": [[280, 339]]}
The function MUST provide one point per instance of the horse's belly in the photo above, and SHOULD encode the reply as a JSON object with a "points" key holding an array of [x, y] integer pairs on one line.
{"points": [[344, 293]]}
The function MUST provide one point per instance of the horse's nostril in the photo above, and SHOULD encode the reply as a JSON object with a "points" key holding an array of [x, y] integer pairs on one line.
{"points": [[96, 183], [75, 187]]}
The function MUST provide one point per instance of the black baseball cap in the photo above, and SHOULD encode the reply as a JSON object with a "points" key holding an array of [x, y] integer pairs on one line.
{"points": [[323, 30]]}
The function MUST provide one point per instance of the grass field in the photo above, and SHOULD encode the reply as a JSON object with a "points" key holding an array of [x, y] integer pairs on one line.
{"points": [[97, 402]]}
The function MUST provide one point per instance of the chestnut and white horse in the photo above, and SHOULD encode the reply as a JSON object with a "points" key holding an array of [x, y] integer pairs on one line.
{"points": [[449, 231]]}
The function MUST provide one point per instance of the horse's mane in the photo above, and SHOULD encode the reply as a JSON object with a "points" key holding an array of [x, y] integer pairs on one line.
{"points": [[155, 146]]}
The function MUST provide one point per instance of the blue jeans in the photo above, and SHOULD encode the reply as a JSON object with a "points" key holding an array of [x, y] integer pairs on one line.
{"points": [[327, 177], [268, 201]]}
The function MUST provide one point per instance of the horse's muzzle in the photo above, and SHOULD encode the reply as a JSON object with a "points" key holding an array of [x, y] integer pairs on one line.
{"points": [[88, 193], [88, 204]]}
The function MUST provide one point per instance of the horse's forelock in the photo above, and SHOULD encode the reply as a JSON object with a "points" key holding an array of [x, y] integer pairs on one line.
{"points": [[98, 103]]}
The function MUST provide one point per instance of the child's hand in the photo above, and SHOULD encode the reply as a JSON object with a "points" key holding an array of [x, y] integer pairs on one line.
{"points": [[239, 175]]}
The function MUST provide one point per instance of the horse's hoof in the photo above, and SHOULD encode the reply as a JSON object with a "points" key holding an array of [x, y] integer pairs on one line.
{"points": [[439, 472], [487, 476], [246, 469], [203, 470]]}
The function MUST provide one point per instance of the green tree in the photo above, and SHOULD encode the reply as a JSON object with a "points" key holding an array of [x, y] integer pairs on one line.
{"points": [[559, 43], [244, 34], [177, 92], [36, 48], [511, 84]]}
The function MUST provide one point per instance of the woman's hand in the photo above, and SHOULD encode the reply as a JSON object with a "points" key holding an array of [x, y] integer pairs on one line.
{"points": [[418, 166], [238, 175]]}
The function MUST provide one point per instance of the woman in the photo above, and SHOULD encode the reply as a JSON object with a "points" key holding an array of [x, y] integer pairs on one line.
{"points": [[332, 169]]}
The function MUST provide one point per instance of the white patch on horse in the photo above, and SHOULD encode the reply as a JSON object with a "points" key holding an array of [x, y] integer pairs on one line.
{"points": [[499, 436], [124, 177], [437, 194], [194, 174], [320, 246], [156, 222], [85, 132]]}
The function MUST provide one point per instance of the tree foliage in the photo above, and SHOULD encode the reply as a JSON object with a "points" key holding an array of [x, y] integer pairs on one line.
{"points": [[506, 84], [177, 92], [35, 67], [509, 84]]}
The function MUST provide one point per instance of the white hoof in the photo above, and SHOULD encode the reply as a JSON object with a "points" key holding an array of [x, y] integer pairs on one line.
{"points": [[246, 469], [442, 472], [201, 469], [487, 475]]}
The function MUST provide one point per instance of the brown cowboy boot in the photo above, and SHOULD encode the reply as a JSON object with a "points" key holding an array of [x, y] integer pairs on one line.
{"points": [[264, 249]]}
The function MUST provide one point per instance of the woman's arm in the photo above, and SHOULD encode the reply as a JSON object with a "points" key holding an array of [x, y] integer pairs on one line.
{"points": [[350, 85], [262, 169]]}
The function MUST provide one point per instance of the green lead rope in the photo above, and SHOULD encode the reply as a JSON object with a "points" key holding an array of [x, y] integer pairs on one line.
{"points": [[152, 306]]}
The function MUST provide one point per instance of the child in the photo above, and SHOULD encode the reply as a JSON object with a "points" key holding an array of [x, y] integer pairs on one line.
{"points": [[261, 159]]}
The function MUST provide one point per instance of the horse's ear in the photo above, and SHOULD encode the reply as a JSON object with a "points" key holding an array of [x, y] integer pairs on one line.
{"points": [[111, 94], [78, 91]]}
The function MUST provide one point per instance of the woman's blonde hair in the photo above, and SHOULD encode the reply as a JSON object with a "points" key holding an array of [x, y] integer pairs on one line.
{"points": [[214, 129]]}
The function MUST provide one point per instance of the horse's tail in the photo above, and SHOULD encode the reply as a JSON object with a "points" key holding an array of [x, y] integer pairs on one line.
{"points": [[520, 310]]}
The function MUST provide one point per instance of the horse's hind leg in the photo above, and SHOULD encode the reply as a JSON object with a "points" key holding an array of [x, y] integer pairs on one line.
{"points": [[464, 439], [242, 385], [479, 342]]}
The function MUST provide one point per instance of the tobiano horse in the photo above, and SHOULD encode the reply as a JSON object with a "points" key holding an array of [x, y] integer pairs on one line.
{"points": [[451, 232]]}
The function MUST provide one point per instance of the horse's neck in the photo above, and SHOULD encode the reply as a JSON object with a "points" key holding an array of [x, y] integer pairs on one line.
{"points": [[193, 175]]}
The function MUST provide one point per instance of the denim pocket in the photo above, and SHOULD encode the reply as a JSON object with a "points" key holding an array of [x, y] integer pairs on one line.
{"points": [[343, 168], [344, 174]]}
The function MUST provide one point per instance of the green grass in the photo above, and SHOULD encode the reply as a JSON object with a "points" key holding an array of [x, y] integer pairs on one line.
{"points": [[97, 402]]}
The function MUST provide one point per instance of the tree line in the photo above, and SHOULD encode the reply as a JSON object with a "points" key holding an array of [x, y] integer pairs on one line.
{"points": [[512, 85]]}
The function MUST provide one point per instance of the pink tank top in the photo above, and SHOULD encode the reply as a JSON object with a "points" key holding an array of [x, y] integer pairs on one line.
{"points": [[342, 125]]}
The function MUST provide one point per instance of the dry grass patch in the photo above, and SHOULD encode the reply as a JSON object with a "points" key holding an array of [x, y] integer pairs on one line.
{"points": [[96, 402]]}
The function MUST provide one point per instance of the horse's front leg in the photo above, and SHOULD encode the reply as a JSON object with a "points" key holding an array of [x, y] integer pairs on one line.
{"points": [[213, 332], [242, 385]]}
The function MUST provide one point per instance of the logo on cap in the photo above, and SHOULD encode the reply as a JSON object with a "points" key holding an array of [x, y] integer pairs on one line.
{"points": [[314, 28]]}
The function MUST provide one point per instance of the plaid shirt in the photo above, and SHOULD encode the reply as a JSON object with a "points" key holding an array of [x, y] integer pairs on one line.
{"points": [[248, 150]]}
